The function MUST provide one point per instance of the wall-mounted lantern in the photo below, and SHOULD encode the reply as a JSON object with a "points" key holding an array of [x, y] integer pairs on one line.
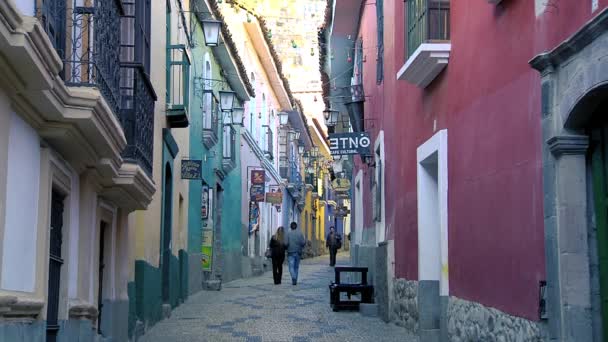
{"points": [[238, 114], [283, 118], [226, 100], [211, 30], [301, 149], [331, 117], [297, 135]]}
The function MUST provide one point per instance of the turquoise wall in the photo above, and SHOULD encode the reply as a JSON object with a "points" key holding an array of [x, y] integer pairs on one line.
{"points": [[212, 158]]}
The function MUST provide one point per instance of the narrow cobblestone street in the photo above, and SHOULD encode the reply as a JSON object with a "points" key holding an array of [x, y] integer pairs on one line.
{"points": [[255, 309]]}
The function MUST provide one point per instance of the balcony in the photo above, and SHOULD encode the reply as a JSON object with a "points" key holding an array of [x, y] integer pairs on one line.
{"points": [[269, 145], [428, 41], [87, 40], [229, 149], [210, 119], [137, 114], [355, 107], [178, 85]]}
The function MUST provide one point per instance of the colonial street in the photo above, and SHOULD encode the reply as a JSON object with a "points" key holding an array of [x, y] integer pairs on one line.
{"points": [[256, 310]]}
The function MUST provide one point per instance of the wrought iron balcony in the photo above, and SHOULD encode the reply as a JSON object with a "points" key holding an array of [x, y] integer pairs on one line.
{"points": [[178, 85], [137, 114], [86, 36], [210, 119], [229, 149]]}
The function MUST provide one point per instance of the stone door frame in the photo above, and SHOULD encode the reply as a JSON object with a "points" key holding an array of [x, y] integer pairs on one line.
{"points": [[570, 74]]}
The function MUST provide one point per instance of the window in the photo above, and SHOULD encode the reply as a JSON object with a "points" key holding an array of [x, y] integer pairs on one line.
{"points": [[427, 21], [380, 24], [142, 34], [358, 66]]}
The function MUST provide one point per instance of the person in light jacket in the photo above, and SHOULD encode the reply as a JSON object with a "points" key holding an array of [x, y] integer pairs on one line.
{"points": [[295, 242]]}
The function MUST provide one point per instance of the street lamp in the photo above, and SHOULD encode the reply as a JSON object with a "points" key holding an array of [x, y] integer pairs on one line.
{"points": [[306, 158], [301, 149], [331, 117], [238, 114], [211, 30], [297, 135], [283, 118], [226, 100]]}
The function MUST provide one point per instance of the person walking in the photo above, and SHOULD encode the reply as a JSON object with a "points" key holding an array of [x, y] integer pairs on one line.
{"points": [[277, 253], [333, 242], [295, 243]]}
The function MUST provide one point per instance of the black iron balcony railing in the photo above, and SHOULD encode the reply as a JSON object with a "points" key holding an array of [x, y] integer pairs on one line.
{"points": [[87, 37], [85, 34], [427, 20], [137, 114]]}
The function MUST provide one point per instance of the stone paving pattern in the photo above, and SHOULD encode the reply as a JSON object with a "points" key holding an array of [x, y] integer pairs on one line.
{"points": [[254, 309]]}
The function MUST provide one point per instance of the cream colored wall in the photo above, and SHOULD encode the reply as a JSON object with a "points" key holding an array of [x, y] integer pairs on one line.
{"points": [[5, 122], [148, 223]]}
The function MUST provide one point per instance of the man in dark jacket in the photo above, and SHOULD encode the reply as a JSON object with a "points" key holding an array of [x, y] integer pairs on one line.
{"points": [[295, 242], [333, 242]]}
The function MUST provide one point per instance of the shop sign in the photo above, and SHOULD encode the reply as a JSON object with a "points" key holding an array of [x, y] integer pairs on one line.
{"points": [[341, 184], [350, 143], [191, 169], [274, 197]]}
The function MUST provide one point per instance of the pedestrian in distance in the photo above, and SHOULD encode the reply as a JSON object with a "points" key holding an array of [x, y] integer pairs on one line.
{"points": [[277, 253], [295, 243], [333, 242]]}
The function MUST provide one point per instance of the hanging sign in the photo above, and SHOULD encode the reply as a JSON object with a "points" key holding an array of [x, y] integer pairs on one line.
{"points": [[350, 143], [274, 197], [341, 184], [191, 169]]}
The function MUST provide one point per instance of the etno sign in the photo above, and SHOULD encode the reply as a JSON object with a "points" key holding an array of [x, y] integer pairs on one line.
{"points": [[349, 143]]}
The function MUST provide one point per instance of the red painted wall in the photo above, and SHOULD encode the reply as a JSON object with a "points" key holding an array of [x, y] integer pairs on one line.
{"points": [[489, 100]]}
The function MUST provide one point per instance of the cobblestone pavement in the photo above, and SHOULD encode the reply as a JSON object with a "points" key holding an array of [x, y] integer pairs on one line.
{"points": [[255, 309]]}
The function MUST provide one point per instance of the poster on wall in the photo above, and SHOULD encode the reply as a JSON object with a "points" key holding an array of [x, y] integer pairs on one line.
{"points": [[254, 216], [207, 249], [207, 238], [258, 185], [205, 202]]}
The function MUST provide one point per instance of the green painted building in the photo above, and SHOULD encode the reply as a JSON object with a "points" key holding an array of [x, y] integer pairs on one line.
{"points": [[214, 215]]}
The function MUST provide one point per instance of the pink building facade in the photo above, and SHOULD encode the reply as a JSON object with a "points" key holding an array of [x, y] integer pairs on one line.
{"points": [[460, 211]]}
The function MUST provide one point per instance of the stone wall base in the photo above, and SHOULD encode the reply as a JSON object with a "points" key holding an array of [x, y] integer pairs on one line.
{"points": [[115, 319], [404, 304], [469, 321], [23, 331], [195, 273]]}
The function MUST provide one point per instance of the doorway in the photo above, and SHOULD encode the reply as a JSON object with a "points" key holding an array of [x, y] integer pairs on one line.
{"points": [[166, 233], [100, 273], [432, 196], [598, 150], [55, 263]]}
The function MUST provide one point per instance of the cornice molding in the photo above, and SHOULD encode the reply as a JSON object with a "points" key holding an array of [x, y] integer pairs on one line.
{"points": [[568, 145], [595, 27], [20, 309]]}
